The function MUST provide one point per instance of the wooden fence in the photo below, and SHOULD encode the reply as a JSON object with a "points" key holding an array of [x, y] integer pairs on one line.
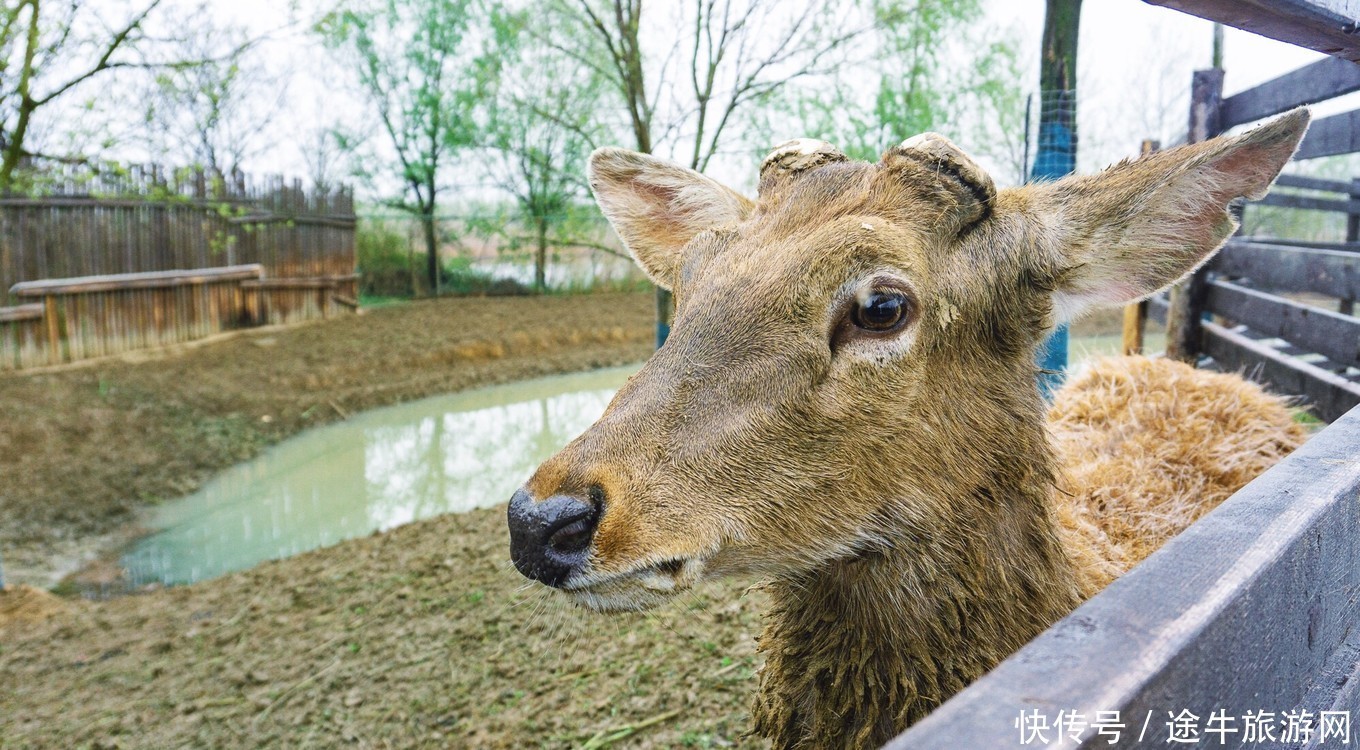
{"points": [[96, 316], [150, 219], [97, 263]]}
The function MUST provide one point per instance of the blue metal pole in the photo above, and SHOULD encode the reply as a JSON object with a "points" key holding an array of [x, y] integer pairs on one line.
{"points": [[1055, 157]]}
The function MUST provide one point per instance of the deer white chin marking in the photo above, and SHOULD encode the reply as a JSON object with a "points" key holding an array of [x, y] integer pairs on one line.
{"points": [[636, 589]]}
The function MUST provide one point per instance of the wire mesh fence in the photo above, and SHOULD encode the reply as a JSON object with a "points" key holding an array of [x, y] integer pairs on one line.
{"points": [[1054, 135]]}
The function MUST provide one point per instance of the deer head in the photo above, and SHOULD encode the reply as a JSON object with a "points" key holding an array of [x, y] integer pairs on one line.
{"points": [[851, 366]]}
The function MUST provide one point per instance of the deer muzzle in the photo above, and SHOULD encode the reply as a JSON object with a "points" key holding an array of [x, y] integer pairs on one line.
{"points": [[550, 540]]}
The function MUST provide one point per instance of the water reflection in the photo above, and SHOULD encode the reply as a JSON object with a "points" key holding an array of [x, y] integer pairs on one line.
{"points": [[377, 470]]}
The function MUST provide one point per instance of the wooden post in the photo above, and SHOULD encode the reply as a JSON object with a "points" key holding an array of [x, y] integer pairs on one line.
{"points": [[1347, 306], [53, 329], [1187, 298], [1135, 315]]}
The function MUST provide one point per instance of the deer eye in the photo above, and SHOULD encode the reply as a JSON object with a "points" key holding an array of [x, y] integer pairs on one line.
{"points": [[880, 311]]}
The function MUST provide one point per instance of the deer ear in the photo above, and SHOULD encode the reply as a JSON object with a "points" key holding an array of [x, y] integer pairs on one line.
{"points": [[1121, 235], [657, 207]]}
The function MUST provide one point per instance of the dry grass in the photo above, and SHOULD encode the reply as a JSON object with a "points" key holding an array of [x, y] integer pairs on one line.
{"points": [[1151, 445]]}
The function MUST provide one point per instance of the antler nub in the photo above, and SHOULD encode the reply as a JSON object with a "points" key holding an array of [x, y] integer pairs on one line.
{"points": [[939, 152], [800, 154], [792, 157]]}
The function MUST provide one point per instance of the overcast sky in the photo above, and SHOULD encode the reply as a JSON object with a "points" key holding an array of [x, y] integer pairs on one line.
{"points": [[1134, 59]]}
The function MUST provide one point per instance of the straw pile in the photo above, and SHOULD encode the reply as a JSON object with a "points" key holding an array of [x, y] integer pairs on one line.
{"points": [[1147, 447]]}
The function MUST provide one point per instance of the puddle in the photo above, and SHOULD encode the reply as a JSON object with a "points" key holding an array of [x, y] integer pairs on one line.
{"points": [[377, 470]]}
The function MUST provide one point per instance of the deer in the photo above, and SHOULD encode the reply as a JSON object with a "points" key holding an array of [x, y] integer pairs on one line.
{"points": [[846, 409]]}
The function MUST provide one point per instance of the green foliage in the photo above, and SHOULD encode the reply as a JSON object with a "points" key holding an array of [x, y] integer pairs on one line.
{"points": [[544, 121], [929, 76], [383, 260], [417, 64], [424, 68], [460, 278]]}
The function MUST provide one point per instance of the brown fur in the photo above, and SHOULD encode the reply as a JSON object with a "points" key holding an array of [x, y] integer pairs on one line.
{"points": [[896, 490]]}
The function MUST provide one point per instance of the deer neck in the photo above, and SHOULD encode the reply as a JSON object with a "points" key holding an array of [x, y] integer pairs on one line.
{"points": [[862, 648]]}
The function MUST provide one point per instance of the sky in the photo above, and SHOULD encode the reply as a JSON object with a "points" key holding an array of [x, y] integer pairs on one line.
{"points": [[1134, 68]]}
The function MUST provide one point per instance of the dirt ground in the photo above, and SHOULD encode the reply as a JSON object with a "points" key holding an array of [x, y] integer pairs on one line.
{"points": [[423, 636], [420, 637], [83, 448]]}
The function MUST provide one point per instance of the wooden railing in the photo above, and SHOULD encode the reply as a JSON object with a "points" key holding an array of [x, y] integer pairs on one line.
{"points": [[83, 221], [1273, 322], [94, 316], [1297, 348]]}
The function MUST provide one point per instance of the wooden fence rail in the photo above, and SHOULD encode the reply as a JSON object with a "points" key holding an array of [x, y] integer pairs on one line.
{"points": [[119, 259], [1330, 387], [1335, 336], [96, 316], [1285, 267]]}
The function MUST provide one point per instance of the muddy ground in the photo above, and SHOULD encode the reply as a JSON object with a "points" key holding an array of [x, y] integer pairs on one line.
{"points": [[423, 636], [83, 448]]}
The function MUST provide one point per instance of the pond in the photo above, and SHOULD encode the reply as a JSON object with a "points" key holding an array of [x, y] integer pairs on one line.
{"points": [[374, 471]]}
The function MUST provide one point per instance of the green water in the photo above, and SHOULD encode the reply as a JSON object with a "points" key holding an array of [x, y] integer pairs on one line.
{"points": [[377, 470]]}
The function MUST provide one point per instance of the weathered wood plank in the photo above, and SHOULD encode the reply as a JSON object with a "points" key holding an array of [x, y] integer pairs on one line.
{"points": [[1252, 608], [1349, 247], [1331, 136], [1314, 183], [17, 313], [1324, 25], [1308, 202], [320, 282], [1331, 334], [81, 201], [147, 280], [53, 320], [1329, 394], [1330, 272], [1131, 338], [1316, 82], [1186, 299], [341, 222], [1157, 307]]}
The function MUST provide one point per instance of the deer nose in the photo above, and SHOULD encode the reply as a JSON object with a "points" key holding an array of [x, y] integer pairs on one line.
{"points": [[550, 540]]}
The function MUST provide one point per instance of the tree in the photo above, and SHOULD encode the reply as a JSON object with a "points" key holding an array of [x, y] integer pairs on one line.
{"points": [[926, 74], [541, 130], [215, 113], [423, 69], [321, 152], [50, 49], [730, 57], [739, 66]]}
